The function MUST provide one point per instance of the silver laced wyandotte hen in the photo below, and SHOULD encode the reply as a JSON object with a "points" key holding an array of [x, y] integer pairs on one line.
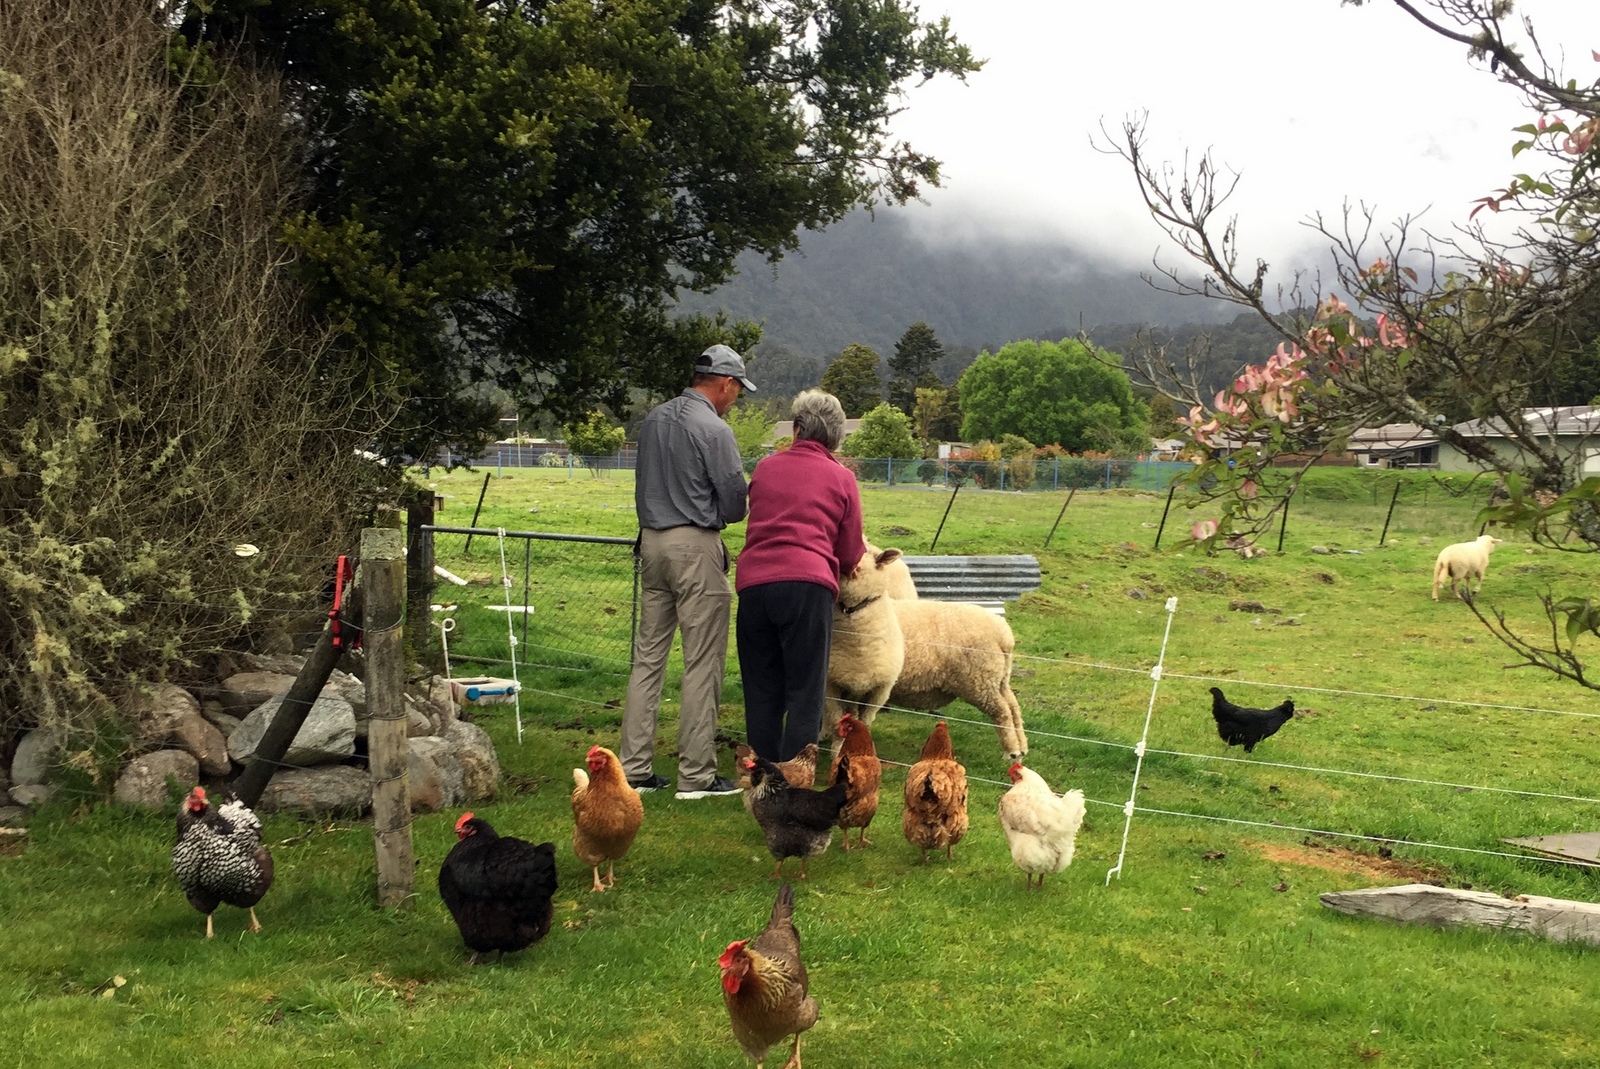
{"points": [[219, 857], [1239, 725], [498, 888]]}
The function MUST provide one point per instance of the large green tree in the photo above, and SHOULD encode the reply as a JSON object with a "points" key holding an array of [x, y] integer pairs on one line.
{"points": [[884, 434], [911, 366], [1062, 393], [516, 191], [853, 379]]}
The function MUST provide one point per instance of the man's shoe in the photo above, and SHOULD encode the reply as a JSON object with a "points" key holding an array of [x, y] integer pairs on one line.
{"points": [[719, 786], [654, 783]]}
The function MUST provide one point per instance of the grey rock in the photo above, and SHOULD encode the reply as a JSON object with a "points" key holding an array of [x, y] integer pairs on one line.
{"points": [[417, 722], [480, 771], [426, 781], [205, 742], [351, 689], [334, 789], [1322, 551], [143, 782], [35, 754], [328, 734], [444, 702], [247, 690], [1355, 553], [438, 753], [31, 794], [1136, 594], [11, 816], [157, 716], [225, 724]]}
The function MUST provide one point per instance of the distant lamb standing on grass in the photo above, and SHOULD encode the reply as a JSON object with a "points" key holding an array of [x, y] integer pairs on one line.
{"points": [[918, 654], [1462, 562]]}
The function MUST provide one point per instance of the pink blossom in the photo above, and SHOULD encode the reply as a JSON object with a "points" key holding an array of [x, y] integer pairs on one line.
{"points": [[1203, 530], [1331, 307], [1249, 489], [1391, 334]]}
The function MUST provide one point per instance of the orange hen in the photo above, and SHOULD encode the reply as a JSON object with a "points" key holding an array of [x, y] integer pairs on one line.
{"points": [[861, 799], [764, 986], [936, 797], [606, 814]]}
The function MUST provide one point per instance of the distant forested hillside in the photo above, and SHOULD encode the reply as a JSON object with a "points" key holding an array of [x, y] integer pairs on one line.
{"points": [[866, 279]]}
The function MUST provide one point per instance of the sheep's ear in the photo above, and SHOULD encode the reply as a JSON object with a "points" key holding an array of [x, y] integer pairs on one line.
{"points": [[886, 556]]}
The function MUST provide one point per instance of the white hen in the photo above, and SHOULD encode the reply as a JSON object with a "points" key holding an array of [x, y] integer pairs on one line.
{"points": [[1041, 828]]}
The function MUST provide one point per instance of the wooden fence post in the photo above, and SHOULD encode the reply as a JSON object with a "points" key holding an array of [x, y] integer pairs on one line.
{"points": [[383, 581], [421, 641]]}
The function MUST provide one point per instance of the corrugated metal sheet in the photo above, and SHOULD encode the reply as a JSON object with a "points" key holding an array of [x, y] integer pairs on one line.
{"points": [[976, 579]]}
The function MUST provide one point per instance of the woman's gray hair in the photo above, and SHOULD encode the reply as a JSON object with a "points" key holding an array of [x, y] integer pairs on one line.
{"points": [[818, 417]]}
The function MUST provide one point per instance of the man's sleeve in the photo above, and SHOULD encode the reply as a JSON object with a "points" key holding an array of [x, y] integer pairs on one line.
{"points": [[726, 469]]}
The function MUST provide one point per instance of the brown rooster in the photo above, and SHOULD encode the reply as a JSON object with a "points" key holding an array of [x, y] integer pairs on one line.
{"points": [[606, 814], [800, 770], [764, 986], [936, 797], [219, 857], [861, 801]]}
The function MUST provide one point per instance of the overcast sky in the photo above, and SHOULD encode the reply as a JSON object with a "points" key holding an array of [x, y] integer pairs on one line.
{"points": [[1313, 102]]}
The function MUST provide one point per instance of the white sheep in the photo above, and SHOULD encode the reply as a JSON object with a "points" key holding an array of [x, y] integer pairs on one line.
{"points": [[1461, 562], [919, 655], [900, 586]]}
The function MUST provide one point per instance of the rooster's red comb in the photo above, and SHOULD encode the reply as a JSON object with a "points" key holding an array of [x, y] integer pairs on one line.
{"points": [[463, 821]]}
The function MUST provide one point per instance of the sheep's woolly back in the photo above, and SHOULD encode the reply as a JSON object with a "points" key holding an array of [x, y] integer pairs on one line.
{"points": [[953, 650], [1463, 561]]}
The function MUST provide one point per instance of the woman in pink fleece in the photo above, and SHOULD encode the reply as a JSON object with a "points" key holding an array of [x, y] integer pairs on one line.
{"points": [[804, 531]]}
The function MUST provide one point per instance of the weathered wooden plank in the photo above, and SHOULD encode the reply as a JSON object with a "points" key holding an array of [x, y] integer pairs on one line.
{"points": [[1576, 848], [1558, 919]]}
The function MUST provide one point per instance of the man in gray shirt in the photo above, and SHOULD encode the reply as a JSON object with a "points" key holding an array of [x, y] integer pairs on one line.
{"points": [[690, 485]]}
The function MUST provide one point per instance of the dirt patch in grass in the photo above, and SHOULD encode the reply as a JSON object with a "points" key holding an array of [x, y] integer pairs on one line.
{"points": [[1346, 861], [13, 845]]}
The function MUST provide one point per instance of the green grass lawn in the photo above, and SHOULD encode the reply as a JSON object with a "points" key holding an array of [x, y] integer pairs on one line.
{"points": [[1212, 949]]}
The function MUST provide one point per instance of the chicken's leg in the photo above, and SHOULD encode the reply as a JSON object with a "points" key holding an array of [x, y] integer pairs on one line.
{"points": [[864, 840], [777, 873], [924, 855], [255, 925], [802, 868], [845, 845], [611, 873], [949, 854], [794, 1057], [209, 933], [599, 885]]}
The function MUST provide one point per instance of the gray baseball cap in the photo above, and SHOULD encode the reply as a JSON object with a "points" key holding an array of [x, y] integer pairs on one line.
{"points": [[721, 360]]}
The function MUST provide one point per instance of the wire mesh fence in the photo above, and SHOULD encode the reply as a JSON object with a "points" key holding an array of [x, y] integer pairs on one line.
{"points": [[570, 601]]}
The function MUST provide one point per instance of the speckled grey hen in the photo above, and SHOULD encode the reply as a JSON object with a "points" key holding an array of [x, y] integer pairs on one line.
{"points": [[218, 857]]}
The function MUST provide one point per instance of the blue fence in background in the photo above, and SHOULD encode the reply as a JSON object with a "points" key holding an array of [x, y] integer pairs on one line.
{"points": [[1047, 474]]}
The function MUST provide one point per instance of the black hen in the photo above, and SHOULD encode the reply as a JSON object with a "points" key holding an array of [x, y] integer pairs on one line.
{"points": [[797, 822], [498, 889], [1240, 726], [219, 857]]}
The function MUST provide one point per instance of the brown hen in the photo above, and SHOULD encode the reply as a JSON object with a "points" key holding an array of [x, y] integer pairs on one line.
{"points": [[764, 986], [606, 814], [861, 801], [936, 797]]}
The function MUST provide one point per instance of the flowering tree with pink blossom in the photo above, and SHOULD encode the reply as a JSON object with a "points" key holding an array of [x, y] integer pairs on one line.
{"points": [[1411, 328]]}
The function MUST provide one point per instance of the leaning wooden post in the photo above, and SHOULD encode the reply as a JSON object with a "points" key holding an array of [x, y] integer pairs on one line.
{"points": [[383, 583], [1390, 516], [946, 516], [1060, 514], [1284, 525], [1164, 510], [294, 708]]}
